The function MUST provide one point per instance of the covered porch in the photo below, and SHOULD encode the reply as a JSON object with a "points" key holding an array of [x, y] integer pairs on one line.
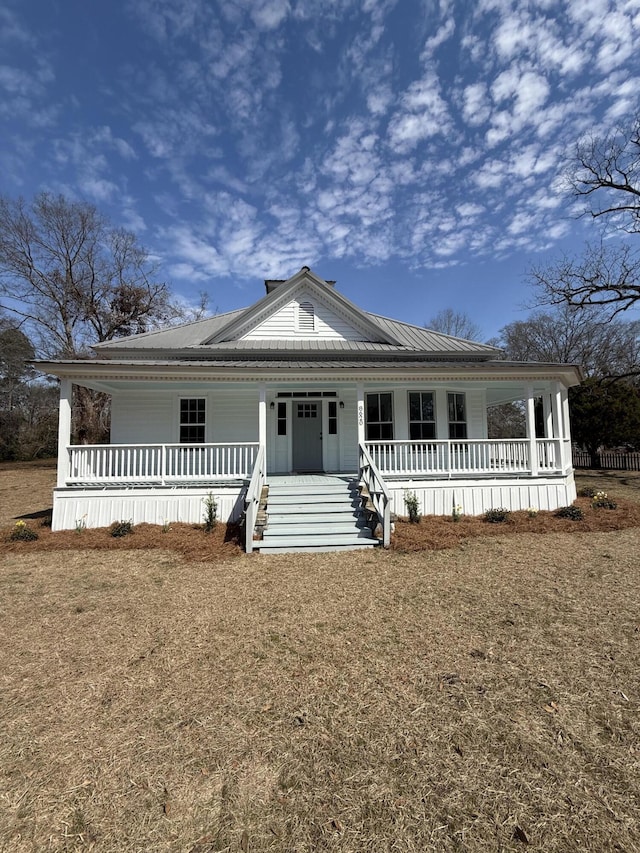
{"points": [[172, 444]]}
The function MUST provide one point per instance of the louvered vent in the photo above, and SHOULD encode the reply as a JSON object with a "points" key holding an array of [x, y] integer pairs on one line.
{"points": [[306, 317]]}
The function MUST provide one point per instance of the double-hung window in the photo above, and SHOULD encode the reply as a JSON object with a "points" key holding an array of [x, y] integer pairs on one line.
{"points": [[457, 416], [379, 417], [422, 415], [192, 420]]}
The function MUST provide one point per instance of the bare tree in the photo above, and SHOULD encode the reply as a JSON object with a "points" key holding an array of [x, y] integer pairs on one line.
{"points": [[604, 348], [605, 174], [72, 279], [606, 171], [455, 323]]}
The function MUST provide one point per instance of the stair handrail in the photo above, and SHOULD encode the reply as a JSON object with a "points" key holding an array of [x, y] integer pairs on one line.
{"points": [[371, 477], [252, 498]]}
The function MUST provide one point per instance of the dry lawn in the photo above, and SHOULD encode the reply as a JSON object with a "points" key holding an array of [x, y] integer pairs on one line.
{"points": [[480, 698]]}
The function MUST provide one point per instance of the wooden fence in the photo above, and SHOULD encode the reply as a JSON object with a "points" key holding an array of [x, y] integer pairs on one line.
{"points": [[607, 459]]}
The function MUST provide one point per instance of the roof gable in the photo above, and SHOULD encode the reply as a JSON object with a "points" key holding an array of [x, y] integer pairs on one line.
{"points": [[278, 315]]}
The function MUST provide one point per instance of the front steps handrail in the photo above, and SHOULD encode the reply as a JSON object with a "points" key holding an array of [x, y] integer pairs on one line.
{"points": [[378, 492], [252, 498]]}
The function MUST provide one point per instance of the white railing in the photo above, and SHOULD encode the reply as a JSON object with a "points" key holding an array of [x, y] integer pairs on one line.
{"points": [[377, 491], [160, 464], [474, 457], [252, 499]]}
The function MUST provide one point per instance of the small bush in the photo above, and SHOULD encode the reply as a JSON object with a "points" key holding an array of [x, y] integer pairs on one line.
{"points": [[121, 528], [22, 533], [601, 500], [413, 507], [572, 512], [210, 513], [587, 492], [497, 516]]}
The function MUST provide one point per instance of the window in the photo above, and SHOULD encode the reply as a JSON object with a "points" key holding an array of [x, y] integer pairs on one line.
{"points": [[379, 417], [306, 317], [457, 416], [307, 410], [422, 415], [192, 420], [282, 418], [333, 417]]}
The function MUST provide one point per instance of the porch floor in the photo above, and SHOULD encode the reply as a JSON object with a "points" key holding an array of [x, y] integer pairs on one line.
{"points": [[315, 479]]}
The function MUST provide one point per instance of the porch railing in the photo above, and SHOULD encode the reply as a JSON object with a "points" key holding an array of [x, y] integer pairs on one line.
{"points": [[252, 499], [160, 464], [372, 480], [480, 456]]}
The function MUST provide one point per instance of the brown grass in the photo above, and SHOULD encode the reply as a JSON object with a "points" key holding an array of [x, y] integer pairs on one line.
{"points": [[474, 699]]}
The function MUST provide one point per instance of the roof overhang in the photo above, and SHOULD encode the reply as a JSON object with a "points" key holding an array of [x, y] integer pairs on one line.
{"points": [[111, 375]]}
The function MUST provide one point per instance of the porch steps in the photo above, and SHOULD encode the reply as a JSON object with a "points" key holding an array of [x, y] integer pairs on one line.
{"points": [[318, 516]]}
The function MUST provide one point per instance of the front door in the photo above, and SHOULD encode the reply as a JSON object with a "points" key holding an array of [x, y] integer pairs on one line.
{"points": [[307, 436]]}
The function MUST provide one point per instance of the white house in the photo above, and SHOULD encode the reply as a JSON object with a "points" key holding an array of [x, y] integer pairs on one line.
{"points": [[300, 392]]}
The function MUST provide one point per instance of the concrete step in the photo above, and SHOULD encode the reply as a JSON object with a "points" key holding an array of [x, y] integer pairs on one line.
{"points": [[310, 491], [321, 527], [313, 542], [309, 517], [311, 508], [310, 549], [324, 497]]}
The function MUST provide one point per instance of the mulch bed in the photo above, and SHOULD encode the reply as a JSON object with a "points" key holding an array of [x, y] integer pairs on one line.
{"points": [[433, 533]]}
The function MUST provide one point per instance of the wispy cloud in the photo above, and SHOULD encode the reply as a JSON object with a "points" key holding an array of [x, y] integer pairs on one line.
{"points": [[245, 138]]}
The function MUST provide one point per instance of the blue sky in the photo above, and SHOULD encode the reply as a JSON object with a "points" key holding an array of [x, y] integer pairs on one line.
{"points": [[410, 149]]}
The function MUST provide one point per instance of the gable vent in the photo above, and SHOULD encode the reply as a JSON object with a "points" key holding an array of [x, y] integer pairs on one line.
{"points": [[306, 317]]}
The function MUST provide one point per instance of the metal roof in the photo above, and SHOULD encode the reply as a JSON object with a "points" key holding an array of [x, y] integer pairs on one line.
{"points": [[191, 337]]}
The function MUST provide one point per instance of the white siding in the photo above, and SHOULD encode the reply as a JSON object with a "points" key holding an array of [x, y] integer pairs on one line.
{"points": [[146, 417], [476, 497], [476, 414], [233, 415], [101, 507], [283, 324], [153, 417]]}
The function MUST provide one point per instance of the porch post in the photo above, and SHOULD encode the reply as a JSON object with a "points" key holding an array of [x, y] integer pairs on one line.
{"points": [[548, 416], [530, 416], [360, 406], [558, 430], [262, 417], [566, 430], [64, 431]]}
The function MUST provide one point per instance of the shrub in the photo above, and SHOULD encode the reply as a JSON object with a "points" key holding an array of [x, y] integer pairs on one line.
{"points": [[456, 512], [22, 532], [572, 512], [121, 528], [587, 492], [413, 507], [497, 515], [600, 500], [210, 513]]}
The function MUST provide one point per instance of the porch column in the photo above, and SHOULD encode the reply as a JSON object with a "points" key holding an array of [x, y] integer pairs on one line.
{"points": [[64, 431], [558, 430], [548, 415], [566, 429], [530, 416], [262, 416], [360, 407]]}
